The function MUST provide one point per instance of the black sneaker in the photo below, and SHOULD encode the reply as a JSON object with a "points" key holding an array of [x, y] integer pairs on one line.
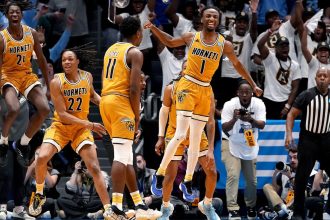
{"points": [[251, 213], [3, 155], [115, 213], [234, 215], [22, 153], [36, 204]]}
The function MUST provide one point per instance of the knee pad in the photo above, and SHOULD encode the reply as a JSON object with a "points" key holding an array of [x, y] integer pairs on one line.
{"points": [[122, 149]]}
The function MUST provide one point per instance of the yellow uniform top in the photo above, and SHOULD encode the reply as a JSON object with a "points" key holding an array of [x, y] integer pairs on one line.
{"points": [[203, 59], [116, 72], [76, 95], [17, 53], [172, 113]]}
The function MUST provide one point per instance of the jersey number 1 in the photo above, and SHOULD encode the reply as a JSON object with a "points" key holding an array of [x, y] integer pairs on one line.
{"points": [[111, 68], [203, 66]]}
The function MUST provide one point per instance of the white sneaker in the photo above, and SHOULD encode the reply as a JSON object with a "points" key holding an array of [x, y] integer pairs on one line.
{"points": [[144, 213], [95, 215], [3, 212], [20, 212]]}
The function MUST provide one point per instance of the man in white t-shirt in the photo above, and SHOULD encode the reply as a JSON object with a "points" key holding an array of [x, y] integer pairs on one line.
{"points": [[242, 39], [282, 75], [242, 117], [171, 63], [314, 62], [144, 13], [183, 23]]}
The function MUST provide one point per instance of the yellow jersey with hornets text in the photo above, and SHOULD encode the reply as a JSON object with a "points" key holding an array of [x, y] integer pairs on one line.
{"points": [[76, 95], [17, 53], [203, 59], [116, 72]]}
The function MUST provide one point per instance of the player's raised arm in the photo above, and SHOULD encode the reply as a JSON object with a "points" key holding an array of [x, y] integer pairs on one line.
{"points": [[167, 39]]}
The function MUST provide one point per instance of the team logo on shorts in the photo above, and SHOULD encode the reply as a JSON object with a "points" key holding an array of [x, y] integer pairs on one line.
{"points": [[129, 124], [182, 95]]}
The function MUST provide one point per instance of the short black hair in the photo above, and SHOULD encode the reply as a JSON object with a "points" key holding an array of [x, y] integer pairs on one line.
{"points": [[243, 81], [129, 26], [139, 154], [211, 7]]}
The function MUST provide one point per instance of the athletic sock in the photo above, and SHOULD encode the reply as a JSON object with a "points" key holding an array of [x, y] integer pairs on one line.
{"points": [[137, 198], [25, 140]]}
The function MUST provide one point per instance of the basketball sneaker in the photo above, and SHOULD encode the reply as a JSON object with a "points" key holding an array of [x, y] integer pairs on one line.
{"points": [[157, 185], [36, 204], [22, 153], [185, 187], [144, 213]]}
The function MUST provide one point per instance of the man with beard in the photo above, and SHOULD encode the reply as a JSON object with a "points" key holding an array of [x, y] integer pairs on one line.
{"points": [[144, 177], [314, 138], [242, 117]]}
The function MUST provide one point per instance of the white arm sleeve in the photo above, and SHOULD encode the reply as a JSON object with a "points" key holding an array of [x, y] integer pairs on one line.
{"points": [[163, 116]]}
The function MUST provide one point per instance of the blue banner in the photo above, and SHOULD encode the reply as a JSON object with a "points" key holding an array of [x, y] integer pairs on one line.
{"points": [[271, 150]]}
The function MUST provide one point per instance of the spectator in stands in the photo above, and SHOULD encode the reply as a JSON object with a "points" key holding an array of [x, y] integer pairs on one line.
{"points": [[314, 139], [110, 31], [144, 177], [242, 117], [171, 63], [280, 6], [61, 9], [242, 39], [183, 23], [314, 62], [282, 74], [286, 29], [81, 199], [144, 12], [280, 192], [315, 34], [12, 175]]}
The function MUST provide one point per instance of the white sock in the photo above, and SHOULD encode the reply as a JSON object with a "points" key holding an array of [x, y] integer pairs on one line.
{"points": [[4, 140], [25, 140], [207, 201], [166, 204]]}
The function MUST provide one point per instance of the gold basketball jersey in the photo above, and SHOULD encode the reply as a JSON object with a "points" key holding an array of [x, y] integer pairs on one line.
{"points": [[203, 59], [76, 95], [17, 53], [172, 113], [116, 72]]}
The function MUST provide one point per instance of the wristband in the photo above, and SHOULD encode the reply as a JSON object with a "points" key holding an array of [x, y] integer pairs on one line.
{"points": [[287, 106]]}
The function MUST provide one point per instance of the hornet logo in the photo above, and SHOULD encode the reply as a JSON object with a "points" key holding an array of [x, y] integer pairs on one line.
{"points": [[182, 95], [129, 124]]}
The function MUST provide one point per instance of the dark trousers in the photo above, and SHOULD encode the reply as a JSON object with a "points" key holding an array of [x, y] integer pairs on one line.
{"points": [[311, 147], [273, 109], [12, 180], [74, 210]]}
